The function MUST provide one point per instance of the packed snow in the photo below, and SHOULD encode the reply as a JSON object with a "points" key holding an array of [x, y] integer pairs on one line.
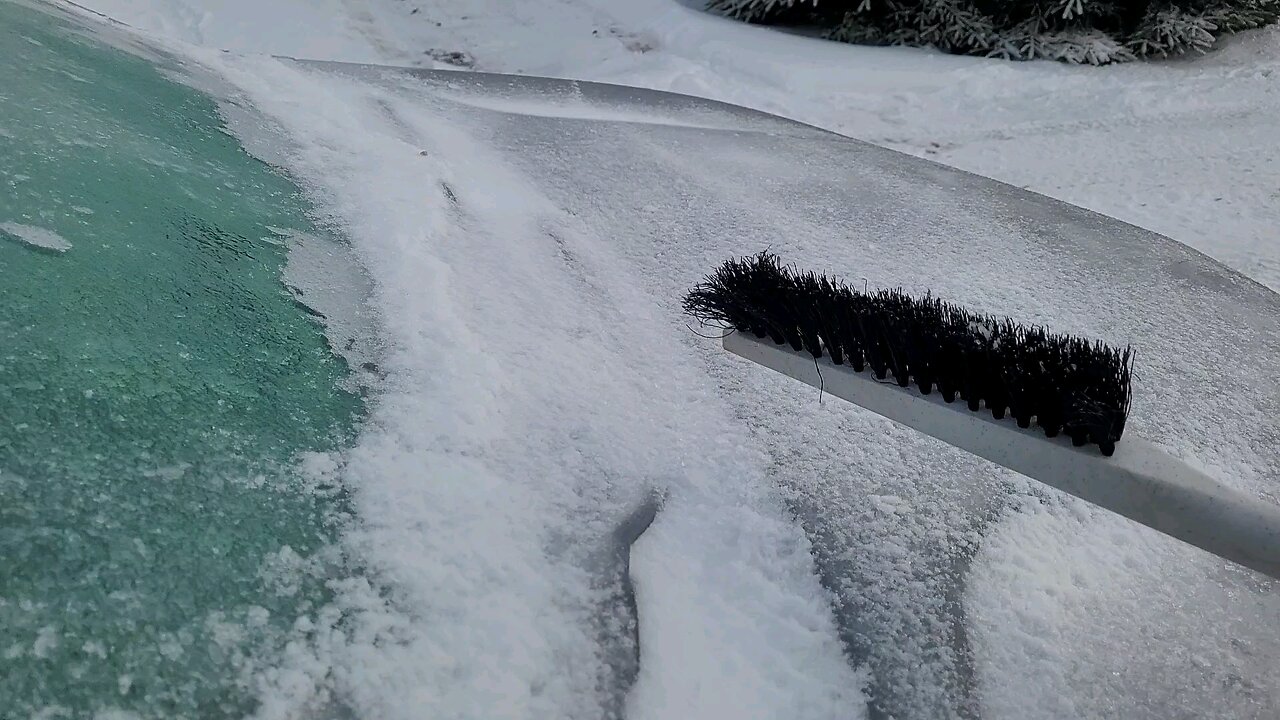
{"points": [[535, 393]]}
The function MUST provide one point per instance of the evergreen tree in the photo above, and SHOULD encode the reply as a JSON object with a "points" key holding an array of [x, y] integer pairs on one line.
{"points": [[1096, 32]]}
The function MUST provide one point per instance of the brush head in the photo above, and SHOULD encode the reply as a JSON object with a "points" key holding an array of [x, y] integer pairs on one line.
{"points": [[1061, 383]]}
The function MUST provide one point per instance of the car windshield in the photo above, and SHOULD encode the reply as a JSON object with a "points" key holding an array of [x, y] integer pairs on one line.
{"points": [[346, 369], [159, 384]]}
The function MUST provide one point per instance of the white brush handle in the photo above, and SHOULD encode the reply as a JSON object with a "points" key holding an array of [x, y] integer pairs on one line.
{"points": [[1140, 481]]}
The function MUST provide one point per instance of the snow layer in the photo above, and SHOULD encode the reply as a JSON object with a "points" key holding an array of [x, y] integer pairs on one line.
{"points": [[1058, 596], [501, 457], [1109, 647], [1187, 148], [566, 242]]}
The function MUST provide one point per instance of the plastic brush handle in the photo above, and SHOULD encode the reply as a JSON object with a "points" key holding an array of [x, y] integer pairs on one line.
{"points": [[1140, 481]]}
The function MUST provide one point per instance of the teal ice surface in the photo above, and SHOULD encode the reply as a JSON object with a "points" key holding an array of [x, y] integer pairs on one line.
{"points": [[157, 386]]}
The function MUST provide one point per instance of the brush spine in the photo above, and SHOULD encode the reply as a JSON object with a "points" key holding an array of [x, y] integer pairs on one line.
{"points": [[1139, 481]]}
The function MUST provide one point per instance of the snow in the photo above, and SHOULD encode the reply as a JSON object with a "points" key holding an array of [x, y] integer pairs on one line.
{"points": [[46, 642], [302, 28], [535, 389], [1183, 147], [718, 643], [489, 500], [37, 237], [1080, 660]]}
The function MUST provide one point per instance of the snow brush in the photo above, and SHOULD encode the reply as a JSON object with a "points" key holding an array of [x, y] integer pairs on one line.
{"points": [[1055, 404]]}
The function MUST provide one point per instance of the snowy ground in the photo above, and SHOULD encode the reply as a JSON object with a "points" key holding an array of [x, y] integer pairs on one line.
{"points": [[1184, 149]]}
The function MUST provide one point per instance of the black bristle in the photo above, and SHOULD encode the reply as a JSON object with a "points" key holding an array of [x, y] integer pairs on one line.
{"points": [[828, 320], [1066, 384]]}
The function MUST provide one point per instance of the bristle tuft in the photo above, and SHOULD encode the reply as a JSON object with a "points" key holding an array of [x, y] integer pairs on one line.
{"points": [[1069, 385]]}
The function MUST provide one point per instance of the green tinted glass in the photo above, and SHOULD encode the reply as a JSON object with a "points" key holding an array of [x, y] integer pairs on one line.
{"points": [[157, 385]]}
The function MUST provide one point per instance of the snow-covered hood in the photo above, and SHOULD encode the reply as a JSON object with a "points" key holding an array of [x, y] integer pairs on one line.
{"points": [[658, 166], [957, 588]]}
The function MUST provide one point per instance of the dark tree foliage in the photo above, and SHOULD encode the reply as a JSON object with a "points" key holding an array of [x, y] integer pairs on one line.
{"points": [[1096, 32]]}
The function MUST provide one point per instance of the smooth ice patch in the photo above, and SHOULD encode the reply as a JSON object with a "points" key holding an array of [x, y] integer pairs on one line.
{"points": [[36, 236]]}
